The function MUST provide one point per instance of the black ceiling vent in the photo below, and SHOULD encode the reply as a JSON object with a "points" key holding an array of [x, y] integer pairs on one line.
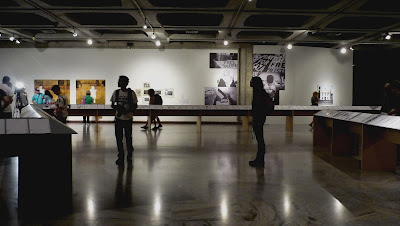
{"points": [[189, 19], [24, 19], [290, 4], [83, 3], [192, 32], [102, 18], [189, 3], [119, 31], [258, 34], [322, 45], [276, 21], [381, 6], [363, 22], [8, 3], [335, 35]]}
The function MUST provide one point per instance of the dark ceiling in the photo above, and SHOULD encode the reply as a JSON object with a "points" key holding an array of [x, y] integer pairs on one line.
{"points": [[361, 24]]}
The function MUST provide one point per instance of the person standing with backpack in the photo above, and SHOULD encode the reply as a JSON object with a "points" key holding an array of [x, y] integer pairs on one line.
{"points": [[124, 102], [155, 99]]}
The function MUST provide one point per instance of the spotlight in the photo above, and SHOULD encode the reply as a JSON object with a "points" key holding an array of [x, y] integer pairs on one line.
{"points": [[145, 26], [12, 38], [17, 41], [75, 34], [90, 41], [351, 48], [289, 46], [343, 50], [158, 43], [153, 36], [0, 34], [19, 85], [388, 37], [33, 38], [226, 42]]}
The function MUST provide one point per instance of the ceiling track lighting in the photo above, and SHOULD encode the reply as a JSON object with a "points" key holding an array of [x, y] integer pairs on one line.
{"points": [[75, 34], [226, 42], [12, 38], [343, 50], [289, 46], [89, 41], [153, 36], [388, 37], [17, 41], [0, 34], [158, 43], [145, 26], [351, 48]]}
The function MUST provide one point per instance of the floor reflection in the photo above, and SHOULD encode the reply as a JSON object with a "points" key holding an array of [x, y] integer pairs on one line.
{"points": [[181, 177]]}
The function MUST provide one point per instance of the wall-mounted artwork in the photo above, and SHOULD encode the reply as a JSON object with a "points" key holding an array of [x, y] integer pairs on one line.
{"points": [[228, 78], [224, 60], [220, 96], [168, 92], [97, 90], [158, 91], [139, 92], [271, 69], [43, 85], [325, 94], [146, 100], [146, 85]]}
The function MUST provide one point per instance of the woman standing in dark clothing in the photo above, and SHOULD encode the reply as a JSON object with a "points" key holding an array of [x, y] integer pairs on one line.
{"points": [[259, 112]]}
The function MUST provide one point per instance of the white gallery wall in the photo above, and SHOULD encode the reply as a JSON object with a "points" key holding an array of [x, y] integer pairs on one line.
{"points": [[308, 67], [184, 70]]}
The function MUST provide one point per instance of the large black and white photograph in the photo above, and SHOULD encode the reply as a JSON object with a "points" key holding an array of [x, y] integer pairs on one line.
{"points": [[224, 60], [325, 95], [227, 78], [220, 96], [271, 69]]}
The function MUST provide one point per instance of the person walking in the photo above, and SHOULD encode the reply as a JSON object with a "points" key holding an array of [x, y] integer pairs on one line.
{"points": [[155, 99], [124, 102], [260, 106]]}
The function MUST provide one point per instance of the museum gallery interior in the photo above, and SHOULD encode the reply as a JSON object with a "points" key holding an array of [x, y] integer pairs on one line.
{"points": [[334, 163]]}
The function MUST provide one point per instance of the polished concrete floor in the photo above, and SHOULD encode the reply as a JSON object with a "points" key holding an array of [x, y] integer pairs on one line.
{"points": [[181, 177]]}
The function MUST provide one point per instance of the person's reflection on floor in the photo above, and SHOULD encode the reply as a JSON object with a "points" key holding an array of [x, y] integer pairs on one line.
{"points": [[123, 193], [152, 155], [86, 139]]}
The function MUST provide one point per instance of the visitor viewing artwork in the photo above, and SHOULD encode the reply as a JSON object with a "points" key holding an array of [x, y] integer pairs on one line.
{"points": [[44, 85], [271, 69], [97, 89]]}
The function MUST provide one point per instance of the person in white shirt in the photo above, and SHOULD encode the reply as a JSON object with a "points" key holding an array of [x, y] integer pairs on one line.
{"points": [[6, 86], [124, 102]]}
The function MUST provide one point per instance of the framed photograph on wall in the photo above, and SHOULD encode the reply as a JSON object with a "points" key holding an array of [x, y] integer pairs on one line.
{"points": [[146, 85], [224, 60], [139, 92], [169, 92]]}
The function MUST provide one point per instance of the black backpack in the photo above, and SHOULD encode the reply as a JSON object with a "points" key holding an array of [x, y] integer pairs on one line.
{"points": [[158, 100], [2, 95]]}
